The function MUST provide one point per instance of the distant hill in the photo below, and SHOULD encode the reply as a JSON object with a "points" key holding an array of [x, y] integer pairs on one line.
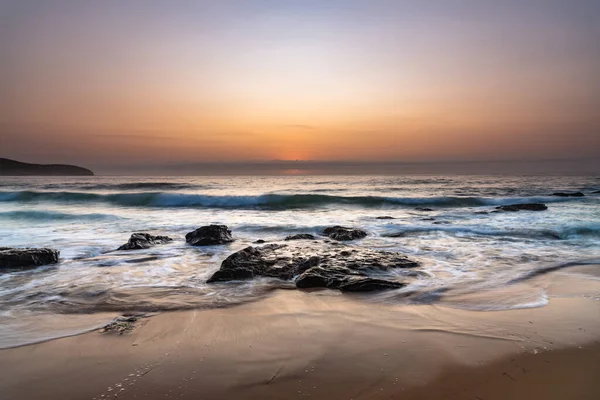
{"points": [[17, 168]]}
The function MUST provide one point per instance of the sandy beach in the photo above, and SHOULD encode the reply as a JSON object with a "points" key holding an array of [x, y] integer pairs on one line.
{"points": [[326, 345]]}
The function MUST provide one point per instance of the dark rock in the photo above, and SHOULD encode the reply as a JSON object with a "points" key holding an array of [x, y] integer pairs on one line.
{"points": [[423, 209], [259, 241], [300, 236], [596, 192], [209, 235], [27, 257], [385, 217], [343, 233], [481, 212], [441, 222], [123, 324], [139, 241], [571, 194], [315, 265], [366, 284], [524, 207]]}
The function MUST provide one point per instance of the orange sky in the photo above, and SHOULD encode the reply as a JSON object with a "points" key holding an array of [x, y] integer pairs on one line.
{"points": [[117, 83]]}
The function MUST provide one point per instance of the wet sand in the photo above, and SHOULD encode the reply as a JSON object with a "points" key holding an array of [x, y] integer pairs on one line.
{"points": [[326, 345]]}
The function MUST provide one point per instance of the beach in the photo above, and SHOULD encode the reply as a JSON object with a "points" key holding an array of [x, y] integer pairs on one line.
{"points": [[327, 345]]}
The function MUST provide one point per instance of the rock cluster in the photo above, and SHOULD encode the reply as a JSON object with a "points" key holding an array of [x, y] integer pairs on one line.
{"points": [[342, 233], [27, 257], [315, 265], [139, 241], [300, 236], [523, 207], [209, 235]]}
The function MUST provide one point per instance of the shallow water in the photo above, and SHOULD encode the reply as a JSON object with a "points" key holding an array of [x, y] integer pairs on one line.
{"points": [[465, 252]]}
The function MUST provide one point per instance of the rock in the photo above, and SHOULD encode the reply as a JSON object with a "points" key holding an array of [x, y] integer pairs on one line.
{"points": [[524, 207], [343, 233], [385, 217], [366, 284], [27, 257], [315, 265], [596, 192], [209, 235], [423, 209], [300, 236], [123, 324], [343, 279], [259, 241], [571, 194], [139, 241], [481, 212]]}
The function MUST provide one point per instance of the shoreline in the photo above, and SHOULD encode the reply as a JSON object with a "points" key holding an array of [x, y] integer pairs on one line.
{"points": [[324, 344]]}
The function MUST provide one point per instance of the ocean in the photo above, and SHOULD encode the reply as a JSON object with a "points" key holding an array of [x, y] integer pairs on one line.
{"points": [[475, 258]]}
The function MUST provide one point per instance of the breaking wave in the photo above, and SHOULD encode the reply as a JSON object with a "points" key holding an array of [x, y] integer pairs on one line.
{"points": [[281, 201]]}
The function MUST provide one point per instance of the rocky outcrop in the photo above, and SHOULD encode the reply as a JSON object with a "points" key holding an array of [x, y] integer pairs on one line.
{"points": [[139, 241], [300, 236], [209, 235], [342, 233], [27, 257], [523, 207], [568, 194], [17, 168], [315, 265]]}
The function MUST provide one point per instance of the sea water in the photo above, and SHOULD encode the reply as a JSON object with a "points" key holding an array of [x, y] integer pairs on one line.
{"points": [[463, 245]]}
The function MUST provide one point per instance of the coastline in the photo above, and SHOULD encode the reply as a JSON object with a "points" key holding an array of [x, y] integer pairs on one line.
{"points": [[323, 344]]}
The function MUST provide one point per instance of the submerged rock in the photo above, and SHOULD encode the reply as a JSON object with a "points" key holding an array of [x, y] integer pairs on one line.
{"points": [[315, 265], [342, 233], [570, 194], [139, 241], [423, 209], [300, 236], [123, 324], [209, 235], [596, 192], [27, 257], [259, 241], [385, 217], [524, 207]]}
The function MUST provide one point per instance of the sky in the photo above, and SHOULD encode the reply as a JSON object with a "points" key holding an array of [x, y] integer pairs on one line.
{"points": [[143, 84]]}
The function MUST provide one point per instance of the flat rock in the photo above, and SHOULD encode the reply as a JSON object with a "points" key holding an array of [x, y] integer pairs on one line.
{"points": [[523, 207], [342, 233], [311, 264], [385, 217], [300, 236], [27, 257], [568, 194], [139, 241], [209, 235]]}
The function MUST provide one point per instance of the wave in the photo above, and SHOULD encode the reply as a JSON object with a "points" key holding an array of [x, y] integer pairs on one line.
{"points": [[53, 216], [281, 201], [561, 233], [144, 185]]}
